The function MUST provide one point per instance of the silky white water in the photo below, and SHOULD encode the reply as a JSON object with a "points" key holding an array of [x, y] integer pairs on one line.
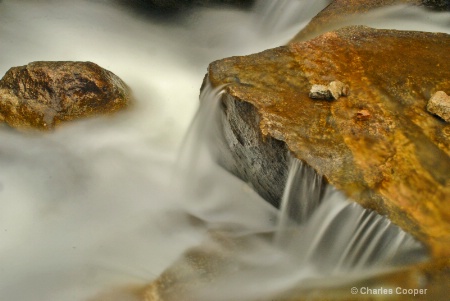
{"points": [[91, 207], [318, 238]]}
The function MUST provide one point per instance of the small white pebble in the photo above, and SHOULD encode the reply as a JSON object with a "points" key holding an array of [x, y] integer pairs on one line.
{"points": [[334, 90], [320, 92], [338, 89], [439, 104]]}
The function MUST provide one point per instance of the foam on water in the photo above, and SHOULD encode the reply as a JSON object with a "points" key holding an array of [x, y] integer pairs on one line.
{"points": [[87, 208]]}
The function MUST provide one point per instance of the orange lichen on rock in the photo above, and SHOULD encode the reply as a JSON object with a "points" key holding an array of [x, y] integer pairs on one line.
{"points": [[378, 144]]}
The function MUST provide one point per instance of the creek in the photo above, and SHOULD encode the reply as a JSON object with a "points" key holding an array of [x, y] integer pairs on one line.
{"points": [[95, 205]]}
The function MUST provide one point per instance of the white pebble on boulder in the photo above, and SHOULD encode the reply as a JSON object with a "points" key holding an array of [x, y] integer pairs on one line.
{"points": [[333, 91], [439, 104]]}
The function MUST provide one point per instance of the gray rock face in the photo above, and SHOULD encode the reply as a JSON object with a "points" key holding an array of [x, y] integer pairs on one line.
{"points": [[260, 161], [43, 94]]}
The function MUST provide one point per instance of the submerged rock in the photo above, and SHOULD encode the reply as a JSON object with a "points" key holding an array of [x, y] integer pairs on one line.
{"points": [[378, 144], [439, 104], [210, 267], [43, 94]]}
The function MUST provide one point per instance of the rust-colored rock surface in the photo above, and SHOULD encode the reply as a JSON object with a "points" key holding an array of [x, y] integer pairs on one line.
{"points": [[340, 12], [378, 144], [43, 94]]}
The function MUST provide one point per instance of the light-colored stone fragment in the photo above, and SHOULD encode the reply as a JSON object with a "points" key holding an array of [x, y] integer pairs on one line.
{"points": [[320, 92], [338, 89], [363, 114], [333, 91], [439, 104]]}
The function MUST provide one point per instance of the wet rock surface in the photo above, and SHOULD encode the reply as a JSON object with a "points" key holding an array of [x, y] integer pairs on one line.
{"points": [[378, 144], [41, 95], [199, 270]]}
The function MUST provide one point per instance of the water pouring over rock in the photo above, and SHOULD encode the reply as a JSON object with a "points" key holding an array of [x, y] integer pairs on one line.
{"points": [[357, 142]]}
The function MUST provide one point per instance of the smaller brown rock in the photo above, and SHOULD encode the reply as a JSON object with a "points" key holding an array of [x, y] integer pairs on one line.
{"points": [[363, 114], [334, 90], [41, 95], [439, 104]]}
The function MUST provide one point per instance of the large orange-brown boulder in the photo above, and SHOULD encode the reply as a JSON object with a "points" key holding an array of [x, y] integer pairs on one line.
{"points": [[378, 144], [41, 95]]}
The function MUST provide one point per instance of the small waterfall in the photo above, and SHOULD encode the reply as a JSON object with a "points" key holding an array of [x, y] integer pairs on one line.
{"points": [[301, 197], [209, 192], [319, 238], [335, 234]]}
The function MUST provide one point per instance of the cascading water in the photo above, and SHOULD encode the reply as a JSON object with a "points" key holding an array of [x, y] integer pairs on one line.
{"points": [[302, 195], [318, 238], [86, 209]]}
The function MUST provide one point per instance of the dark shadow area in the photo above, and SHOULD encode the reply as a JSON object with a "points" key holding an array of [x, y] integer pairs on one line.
{"points": [[439, 5], [167, 9]]}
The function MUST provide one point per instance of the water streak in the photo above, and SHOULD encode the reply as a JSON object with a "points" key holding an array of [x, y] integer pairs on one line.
{"points": [[302, 195], [335, 234]]}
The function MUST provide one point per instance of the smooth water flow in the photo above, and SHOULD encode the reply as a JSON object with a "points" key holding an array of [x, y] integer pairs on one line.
{"points": [[318, 238], [302, 195], [330, 231], [93, 206]]}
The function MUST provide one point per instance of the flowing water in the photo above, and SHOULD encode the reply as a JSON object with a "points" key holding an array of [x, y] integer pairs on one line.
{"points": [[92, 206], [318, 238]]}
